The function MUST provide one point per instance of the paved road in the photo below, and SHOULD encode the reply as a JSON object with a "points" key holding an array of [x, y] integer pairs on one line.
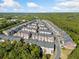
{"points": [[9, 37], [58, 49], [57, 42]]}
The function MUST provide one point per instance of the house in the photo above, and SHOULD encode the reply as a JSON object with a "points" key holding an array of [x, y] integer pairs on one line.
{"points": [[29, 29], [22, 34], [43, 28], [47, 47], [31, 26], [47, 32], [41, 37]]}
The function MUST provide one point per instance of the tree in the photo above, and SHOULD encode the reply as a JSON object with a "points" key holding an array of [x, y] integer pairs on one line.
{"points": [[19, 50]]}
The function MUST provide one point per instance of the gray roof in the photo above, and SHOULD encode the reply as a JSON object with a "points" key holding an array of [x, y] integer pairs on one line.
{"points": [[30, 28], [36, 33], [41, 43]]}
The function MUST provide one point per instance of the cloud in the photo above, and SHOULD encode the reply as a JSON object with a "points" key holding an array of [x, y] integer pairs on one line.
{"points": [[43, 11], [9, 4], [67, 5], [33, 5]]}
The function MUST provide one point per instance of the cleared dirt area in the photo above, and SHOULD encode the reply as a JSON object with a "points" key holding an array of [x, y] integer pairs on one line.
{"points": [[65, 53]]}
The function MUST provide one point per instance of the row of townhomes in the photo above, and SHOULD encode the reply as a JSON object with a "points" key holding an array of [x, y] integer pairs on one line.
{"points": [[42, 33]]}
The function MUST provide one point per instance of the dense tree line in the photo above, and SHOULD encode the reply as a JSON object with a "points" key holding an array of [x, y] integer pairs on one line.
{"points": [[6, 20], [19, 50]]}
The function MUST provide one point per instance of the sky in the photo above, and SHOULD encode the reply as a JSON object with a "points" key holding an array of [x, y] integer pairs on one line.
{"points": [[35, 6]]}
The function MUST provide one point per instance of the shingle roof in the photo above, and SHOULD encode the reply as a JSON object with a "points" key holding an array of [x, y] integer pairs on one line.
{"points": [[41, 43]]}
